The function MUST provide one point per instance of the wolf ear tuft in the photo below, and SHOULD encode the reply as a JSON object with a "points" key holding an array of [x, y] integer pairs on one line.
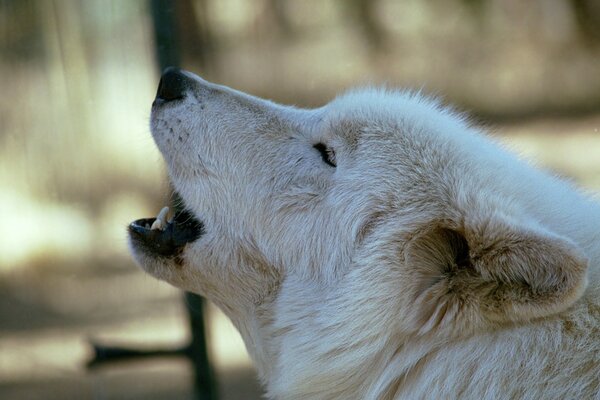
{"points": [[490, 273]]}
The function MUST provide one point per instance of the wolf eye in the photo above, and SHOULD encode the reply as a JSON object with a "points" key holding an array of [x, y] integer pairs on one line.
{"points": [[327, 154]]}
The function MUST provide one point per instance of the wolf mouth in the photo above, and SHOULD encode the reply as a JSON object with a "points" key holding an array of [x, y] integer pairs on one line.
{"points": [[164, 237]]}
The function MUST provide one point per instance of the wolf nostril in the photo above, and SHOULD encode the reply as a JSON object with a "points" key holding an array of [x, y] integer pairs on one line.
{"points": [[173, 84]]}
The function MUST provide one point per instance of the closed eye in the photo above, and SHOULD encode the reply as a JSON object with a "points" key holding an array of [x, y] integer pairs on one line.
{"points": [[327, 154]]}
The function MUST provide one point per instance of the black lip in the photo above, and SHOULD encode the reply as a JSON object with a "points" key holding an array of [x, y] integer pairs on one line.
{"points": [[182, 230]]}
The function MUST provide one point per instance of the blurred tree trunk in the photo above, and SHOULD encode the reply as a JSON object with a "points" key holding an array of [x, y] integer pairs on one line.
{"points": [[364, 13], [66, 57], [281, 20], [587, 15]]}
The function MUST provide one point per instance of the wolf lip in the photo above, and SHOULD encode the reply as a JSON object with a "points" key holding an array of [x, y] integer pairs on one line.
{"points": [[169, 241]]}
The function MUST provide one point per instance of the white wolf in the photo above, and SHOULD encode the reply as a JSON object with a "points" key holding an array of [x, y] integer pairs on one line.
{"points": [[377, 247]]}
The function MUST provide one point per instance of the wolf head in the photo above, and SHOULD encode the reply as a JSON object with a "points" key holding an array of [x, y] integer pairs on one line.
{"points": [[381, 205]]}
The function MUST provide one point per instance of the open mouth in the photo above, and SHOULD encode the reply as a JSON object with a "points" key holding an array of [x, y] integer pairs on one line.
{"points": [[164, 236]]}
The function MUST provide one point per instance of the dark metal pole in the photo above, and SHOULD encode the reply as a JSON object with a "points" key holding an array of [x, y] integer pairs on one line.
{"points": [[168, 49], [166, 35], [197, 350]]}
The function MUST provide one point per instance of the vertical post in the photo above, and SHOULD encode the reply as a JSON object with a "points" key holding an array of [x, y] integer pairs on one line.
{"points": [[203, 375], [166, 35], [168, 51]]}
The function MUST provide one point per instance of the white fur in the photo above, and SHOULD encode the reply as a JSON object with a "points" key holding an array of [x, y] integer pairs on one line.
{"points": [[429, 263]]}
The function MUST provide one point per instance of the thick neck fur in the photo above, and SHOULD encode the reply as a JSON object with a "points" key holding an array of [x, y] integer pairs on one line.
{"points": [[321, 356], [256, 328]]}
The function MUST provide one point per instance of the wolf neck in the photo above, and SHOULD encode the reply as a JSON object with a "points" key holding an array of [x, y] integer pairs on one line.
{"points": [[325, 354], [255, 329]]}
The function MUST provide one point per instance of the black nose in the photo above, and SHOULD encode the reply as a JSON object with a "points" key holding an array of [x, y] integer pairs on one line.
{"points": [[173, 85]]}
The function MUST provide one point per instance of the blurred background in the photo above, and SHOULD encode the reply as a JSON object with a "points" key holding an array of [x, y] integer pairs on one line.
{"points": [[77, 162]]}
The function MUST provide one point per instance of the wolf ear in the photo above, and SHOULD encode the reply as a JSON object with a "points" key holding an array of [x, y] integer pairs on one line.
{"points": [[491, 272]]}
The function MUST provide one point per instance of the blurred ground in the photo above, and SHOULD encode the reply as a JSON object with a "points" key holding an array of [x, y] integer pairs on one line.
{"points": [[49, 317]]}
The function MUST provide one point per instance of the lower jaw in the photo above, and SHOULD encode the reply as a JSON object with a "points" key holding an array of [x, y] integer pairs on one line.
{"points": [[170, 237]]}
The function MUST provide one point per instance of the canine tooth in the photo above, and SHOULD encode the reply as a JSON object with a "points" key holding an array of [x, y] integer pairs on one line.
{"points": [[163, 213], [159, 223]]}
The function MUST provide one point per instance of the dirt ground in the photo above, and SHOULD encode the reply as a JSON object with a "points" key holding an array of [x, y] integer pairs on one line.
{"points": [[48, 315], [48, 320]]}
